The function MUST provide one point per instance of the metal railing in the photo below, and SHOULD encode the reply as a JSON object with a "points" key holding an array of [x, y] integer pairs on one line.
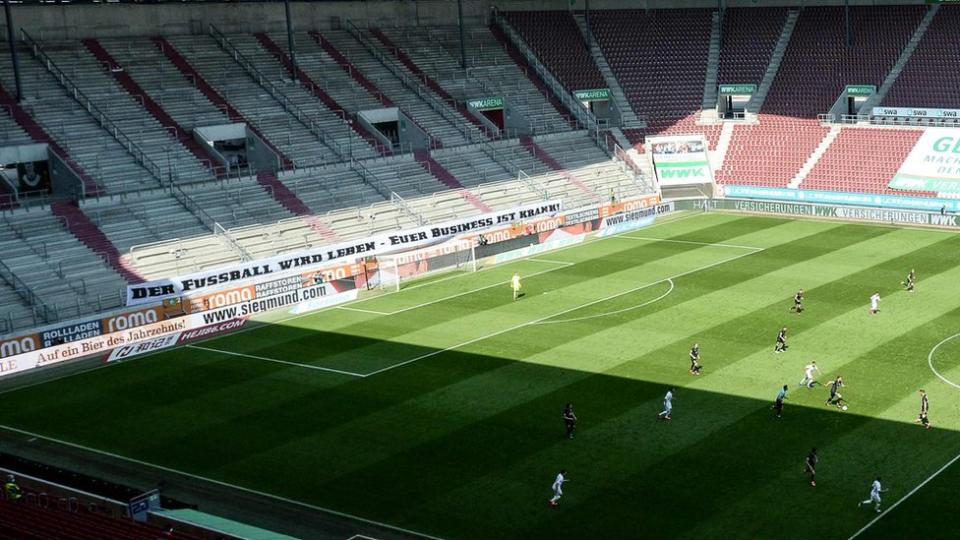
{"points": [[635, 172], [441, 107], [218, 230], [404, 208], [26, 293], [584, 117], [514, 169], [533, 185], [371, 179], [263, 81], [99, 115]]}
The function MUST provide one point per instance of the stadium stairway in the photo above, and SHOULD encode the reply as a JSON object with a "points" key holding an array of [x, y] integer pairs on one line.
{"points": [[211, 94], [548, 160], [628, 117], [431, 83], [775, 59], [815, 156], [354, 72], [134, 89], [529, 71], [444, 176], [271, 46], [87, 232], [559, 45], [289, 200], [40, 135], [932, 74], [864, 159]]}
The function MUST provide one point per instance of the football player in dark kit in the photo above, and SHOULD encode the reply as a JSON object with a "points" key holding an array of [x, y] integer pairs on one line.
{"points": [[798, 302], [810, 466], [911, 281], [570, 420], [781, 341], [695, 359], [924, 410], [836, 399]]}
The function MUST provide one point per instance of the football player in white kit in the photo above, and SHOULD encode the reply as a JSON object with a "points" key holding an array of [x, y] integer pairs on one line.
{"points": [[558, 488], [807, 379], [875, 303], [515, 285], [667, 406], [875, 490]]}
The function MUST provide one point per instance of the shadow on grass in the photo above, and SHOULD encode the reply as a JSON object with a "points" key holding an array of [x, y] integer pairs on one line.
{"points": [[464, 445]]}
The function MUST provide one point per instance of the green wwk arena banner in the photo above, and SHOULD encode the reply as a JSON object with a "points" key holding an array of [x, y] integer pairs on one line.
{"points": [[933, 164]]}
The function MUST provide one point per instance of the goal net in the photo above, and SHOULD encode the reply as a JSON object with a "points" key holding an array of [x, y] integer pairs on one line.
{"points": [[398, 268]]}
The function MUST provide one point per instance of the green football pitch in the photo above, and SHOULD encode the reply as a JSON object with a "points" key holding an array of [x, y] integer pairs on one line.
{"points": [[438, 408]]}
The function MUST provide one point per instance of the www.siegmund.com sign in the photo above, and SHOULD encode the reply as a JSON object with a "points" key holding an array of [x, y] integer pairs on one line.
{"points": [[596, 94], [486, 103]]}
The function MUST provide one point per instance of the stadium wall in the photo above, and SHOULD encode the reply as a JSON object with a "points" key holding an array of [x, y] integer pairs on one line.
{"points": [[73, 21]]}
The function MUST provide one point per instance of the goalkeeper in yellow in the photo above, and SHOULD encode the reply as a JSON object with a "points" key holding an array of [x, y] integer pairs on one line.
{"points": [[515, 285]]}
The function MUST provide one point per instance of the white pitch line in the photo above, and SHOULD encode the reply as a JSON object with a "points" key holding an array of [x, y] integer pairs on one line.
{"points": [[930, 361], [464, 293], [624, 310], [285, 362], [219, 483], [905, 497], [550, 261], [361, 310], [564, 312], [714, 244], [941, 469]]}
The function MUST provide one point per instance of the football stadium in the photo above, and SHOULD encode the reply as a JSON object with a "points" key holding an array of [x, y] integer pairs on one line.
{"points": [[479, 269]]}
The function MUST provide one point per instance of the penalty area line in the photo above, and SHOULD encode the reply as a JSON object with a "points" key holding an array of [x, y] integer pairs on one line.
{"points": [[619, 311], [457, 295], [564, 312], [276, 361]]}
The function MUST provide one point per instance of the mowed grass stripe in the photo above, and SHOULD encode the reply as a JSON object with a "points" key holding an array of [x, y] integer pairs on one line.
{"points": [[233, 390], [482, 312], [187, 436], [344, 431], [684, 351], [696, 408], [681, 361], [516, 450]]}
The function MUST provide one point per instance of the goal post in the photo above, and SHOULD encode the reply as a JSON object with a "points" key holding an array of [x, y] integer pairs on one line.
{"points": [[397, 268]]}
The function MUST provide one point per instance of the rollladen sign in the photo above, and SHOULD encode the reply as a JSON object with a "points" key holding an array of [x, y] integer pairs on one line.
{"points": [[312, 259]]}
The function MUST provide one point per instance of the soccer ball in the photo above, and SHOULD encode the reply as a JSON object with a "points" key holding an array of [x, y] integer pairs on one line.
{"points": [[843, 408]]}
